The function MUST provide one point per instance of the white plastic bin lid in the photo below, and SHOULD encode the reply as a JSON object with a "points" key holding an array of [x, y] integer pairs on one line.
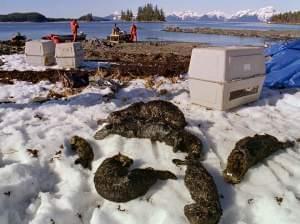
{"points": [[223, 64]]}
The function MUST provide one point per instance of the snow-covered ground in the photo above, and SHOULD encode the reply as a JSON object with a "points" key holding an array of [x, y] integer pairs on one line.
{"points": [[51, 189]]}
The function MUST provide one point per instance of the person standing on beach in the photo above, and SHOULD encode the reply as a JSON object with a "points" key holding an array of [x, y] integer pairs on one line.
{"points": [[116, 30], [133, 33], [74, 28]]}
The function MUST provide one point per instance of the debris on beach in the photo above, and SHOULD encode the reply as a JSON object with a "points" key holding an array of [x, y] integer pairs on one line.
{"points": [[50, 75], [250, 151], [12, 47], [115, 182], [72, 80]]}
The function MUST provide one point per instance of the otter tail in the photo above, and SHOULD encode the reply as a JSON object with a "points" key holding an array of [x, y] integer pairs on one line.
{"points": [[103, 133], [164, 175], [288, 144]]}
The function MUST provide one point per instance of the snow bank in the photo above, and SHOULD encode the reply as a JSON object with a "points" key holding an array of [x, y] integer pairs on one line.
{"points": [[51, 189]]}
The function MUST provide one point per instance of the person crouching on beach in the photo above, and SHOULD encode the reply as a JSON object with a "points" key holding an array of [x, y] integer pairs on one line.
{"points": [[133, 33], [74, 28]]}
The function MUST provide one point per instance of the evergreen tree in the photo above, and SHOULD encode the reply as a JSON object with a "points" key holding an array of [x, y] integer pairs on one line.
{"points": [[150, 13], [127, 16], [288, 17]]}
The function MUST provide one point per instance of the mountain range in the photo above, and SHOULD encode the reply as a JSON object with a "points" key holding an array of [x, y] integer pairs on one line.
{"points": [[260, 15], [248, 15]]}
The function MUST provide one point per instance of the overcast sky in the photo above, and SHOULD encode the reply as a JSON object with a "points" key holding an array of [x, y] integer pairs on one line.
{"points": [[75, 8]]}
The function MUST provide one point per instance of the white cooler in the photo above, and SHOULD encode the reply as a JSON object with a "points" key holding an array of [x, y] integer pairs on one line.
{"points": [[69, 55], [226, 77], [40, 52]]}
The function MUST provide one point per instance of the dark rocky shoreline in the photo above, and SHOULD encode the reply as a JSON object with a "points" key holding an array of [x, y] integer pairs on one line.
{"points": [[270, 34], [129, 60]]}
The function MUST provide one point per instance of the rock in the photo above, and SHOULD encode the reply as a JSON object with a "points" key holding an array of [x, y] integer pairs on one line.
{"points": [[84, 151], [248, 152], [1, 62], [115, 182]]}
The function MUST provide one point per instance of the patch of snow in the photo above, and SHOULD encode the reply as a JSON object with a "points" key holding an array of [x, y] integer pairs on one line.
{"points": [[52, 189], [18, 62]]}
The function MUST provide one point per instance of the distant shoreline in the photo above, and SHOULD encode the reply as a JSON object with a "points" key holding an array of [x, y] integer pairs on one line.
{"points": [[268, 34]]}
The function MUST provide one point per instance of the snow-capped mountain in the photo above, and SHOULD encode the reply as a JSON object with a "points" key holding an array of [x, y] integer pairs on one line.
{"points": [[213, 15], [114, 16], [260, 15], [190, 15], [263, 14], [184, 15]]}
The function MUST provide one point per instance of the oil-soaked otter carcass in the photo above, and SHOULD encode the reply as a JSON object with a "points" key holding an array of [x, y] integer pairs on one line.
{"points": [[115, 182], [163, 121], [248, 152]]}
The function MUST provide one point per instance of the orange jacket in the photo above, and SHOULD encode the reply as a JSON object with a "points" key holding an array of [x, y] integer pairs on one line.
{"points": [[74, 26], [133, 29]]}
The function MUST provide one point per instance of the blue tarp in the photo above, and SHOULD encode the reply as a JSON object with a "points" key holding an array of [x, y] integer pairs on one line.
{"points": [[283, 69]]}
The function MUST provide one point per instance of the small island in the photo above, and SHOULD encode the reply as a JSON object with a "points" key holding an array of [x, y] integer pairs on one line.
{"points": [[40, 18], [148, 13]]}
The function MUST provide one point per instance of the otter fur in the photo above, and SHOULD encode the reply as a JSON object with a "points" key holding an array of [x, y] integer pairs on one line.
{"points": [[207, 208], [181, 140], [115, 182], [153, 111], [248, 152], [84, 151]]}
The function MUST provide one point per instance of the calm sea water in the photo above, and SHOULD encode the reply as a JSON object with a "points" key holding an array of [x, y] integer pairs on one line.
{"points": [[146, 31]]}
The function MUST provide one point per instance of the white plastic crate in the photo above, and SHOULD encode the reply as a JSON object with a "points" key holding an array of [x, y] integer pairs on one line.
{"points": [[70, 62], [68, 50], [225, 95], [220, 64], [40, 60], [40, 48]]}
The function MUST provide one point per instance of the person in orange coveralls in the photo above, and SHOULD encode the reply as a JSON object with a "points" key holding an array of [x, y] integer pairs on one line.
{"points": [[133, 33], [74, 29]]}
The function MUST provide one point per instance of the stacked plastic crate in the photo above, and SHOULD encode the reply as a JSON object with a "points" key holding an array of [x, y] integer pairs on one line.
{"points": [[40, 52], [225, 77], [69, 55]]}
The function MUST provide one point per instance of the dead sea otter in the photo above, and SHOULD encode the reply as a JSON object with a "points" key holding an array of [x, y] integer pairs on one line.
{"points": [[163, 121], [84, 151], [180, 139], [207, 208], [115, 182], [150, 112], [249, 151]]}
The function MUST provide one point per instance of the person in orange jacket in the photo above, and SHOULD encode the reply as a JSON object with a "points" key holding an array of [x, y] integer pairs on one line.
{"points": [[133, 33], [74, 28]]}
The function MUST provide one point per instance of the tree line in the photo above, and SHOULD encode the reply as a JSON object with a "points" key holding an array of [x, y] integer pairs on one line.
{"points": [[288, 17], [145, 13], [37, 17], [23, 17]]}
